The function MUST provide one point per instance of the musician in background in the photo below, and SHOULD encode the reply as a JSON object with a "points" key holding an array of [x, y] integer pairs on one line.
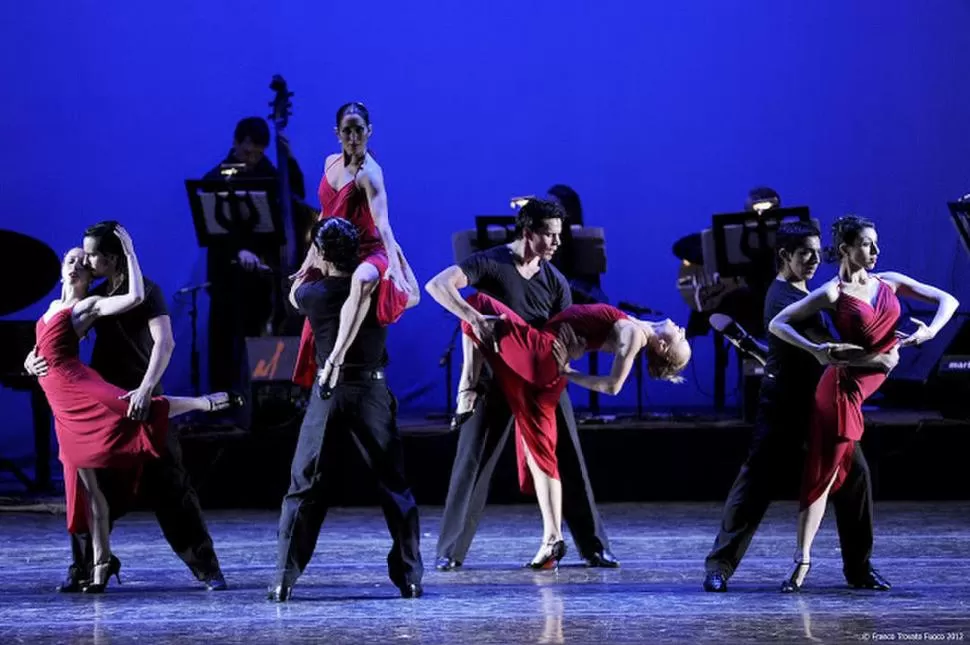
{"points": [[746, 303], [245, 274], [585, 289]]}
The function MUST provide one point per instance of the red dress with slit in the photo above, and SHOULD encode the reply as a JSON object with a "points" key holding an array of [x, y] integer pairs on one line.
{"points": [[528, 374], [350, 203], [837, 421], [90, 418]]}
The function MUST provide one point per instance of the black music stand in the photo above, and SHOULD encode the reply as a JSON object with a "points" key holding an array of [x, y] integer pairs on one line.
{"points": [[237, 207], [241, 209], [743, 245], [745, 239], [485, 222], [960, 213]]}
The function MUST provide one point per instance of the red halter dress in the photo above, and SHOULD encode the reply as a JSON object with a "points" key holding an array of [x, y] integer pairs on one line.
{"points": [[837, 421]]}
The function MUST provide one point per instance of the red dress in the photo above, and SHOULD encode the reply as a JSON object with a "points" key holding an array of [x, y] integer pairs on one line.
{"points": [[350, 203], [529, 376], [837, 421], [89, 417]]}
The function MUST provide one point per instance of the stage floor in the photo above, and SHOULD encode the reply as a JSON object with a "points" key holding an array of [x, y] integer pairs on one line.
{"points": [[922, 548]]}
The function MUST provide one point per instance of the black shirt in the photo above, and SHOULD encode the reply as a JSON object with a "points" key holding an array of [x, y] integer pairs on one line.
{"points": [[794, 370], [321, 301], [537, 300], [123, 343]]}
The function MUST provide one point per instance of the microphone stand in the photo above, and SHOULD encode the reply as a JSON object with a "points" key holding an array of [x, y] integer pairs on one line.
{"points": [[639, 379], [446, 362], [194, 371]]}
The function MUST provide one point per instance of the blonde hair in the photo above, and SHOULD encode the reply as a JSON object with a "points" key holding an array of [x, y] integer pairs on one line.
{"points": [[664, 367]]}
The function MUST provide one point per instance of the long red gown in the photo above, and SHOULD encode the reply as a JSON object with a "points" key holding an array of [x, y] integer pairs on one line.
{"points": [[90, 419], [350, 203], [837, 421], [528, 374]]}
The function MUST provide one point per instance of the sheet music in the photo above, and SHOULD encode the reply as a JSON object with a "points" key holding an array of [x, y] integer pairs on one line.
{"points": [[253, 207]]}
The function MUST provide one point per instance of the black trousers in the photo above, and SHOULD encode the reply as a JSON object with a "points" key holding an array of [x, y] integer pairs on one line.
{"points": [[774, 463], [166, 489], [365, 412], [480, 445]]}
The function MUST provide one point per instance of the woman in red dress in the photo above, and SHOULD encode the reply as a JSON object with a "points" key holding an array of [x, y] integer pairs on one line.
{"points": [[531, 367], [352, 187], [90, 415], [864, 308]]}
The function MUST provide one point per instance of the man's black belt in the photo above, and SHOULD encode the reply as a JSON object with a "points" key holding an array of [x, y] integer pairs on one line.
{"points": [[360, 374]]}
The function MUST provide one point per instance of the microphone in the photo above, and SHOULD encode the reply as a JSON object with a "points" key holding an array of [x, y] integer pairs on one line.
{"points": [[637, 309], [738, 337], [197, 287]]}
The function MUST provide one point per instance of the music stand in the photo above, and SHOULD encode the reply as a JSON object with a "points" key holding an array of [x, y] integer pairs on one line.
{"points": [[742, 245], [732, 232], [237, 207], [241, 209], [960, 213], [484, 222]]}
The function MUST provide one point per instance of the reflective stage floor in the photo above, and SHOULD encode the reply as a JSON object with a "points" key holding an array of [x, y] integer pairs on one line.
{"points": [[345, 597]]}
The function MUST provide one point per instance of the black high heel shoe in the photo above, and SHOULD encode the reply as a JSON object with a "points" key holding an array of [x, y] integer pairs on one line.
{"points": [[550, 561], [217, 403], [113, 567], [792, 585]]}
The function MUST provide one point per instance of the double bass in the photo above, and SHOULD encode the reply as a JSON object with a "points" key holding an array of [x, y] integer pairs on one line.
{"points": [[295, 215], [280, 117]]}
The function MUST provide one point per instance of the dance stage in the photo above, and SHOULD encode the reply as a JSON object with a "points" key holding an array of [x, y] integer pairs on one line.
{"points": [[923, 548]]}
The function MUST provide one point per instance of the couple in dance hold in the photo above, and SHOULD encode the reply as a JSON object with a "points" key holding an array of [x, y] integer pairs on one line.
{"points": [[103, 429], [530, 363], [813, 392]]}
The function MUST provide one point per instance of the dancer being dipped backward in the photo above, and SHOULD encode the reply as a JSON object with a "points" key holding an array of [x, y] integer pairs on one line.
{"points": [[532, 370]]}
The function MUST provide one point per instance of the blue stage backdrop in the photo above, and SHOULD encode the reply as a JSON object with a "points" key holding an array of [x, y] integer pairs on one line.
{"points": [[658, 113]]}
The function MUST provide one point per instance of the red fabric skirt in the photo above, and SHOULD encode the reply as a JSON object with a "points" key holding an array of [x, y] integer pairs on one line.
{"points": [[93, 431], [837, 424], [528, 376]]}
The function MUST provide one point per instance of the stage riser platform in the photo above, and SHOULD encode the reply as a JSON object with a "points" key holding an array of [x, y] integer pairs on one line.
{"points": [[627, 462]]}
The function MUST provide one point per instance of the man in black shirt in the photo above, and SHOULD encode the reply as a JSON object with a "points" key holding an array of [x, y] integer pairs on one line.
{"points": [[520, 275], [360, 409], [131, 351], [787, 399]]}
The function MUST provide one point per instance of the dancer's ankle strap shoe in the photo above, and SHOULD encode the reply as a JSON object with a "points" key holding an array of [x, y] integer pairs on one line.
{"points": [[550, 560], [219, 401], [797, 577]]}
